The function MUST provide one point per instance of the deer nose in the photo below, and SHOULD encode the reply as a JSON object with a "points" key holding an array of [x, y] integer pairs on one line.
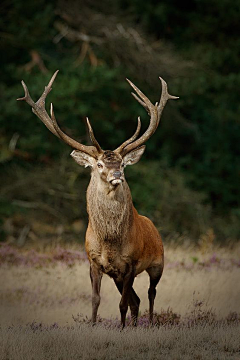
{"points": [[117, 174]]}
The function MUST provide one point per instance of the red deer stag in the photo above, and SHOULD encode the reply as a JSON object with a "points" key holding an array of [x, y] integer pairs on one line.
{"points": [[119, 241]]}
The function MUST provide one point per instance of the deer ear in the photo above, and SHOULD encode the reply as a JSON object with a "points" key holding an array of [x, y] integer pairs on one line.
{"points": [[133, 156], [82, 158]]}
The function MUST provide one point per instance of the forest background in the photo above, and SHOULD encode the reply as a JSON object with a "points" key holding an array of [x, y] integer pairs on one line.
{"points": [[188, 179]]}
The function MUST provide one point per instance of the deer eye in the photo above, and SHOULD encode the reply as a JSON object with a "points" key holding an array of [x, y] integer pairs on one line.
{"points": [[99, 166]]}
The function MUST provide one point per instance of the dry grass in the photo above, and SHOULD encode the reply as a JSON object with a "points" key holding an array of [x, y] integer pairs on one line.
{"points": [[41, 296], [85, 342]]}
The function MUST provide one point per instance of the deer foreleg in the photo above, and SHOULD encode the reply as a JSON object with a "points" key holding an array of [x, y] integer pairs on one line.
{"points": [[96, 277], [126, 291], [134, 302], [134, 306]]}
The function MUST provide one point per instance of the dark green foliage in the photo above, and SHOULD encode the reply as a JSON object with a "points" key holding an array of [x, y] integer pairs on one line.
{"points": [[205, 32], [168, 202], [197, 144]]}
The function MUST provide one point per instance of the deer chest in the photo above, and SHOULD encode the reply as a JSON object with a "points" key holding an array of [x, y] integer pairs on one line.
{"points": [[111, 262]]}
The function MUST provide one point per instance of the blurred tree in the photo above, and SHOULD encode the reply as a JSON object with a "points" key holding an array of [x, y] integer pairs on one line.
{"points": [[193, 45], [205, 32]]}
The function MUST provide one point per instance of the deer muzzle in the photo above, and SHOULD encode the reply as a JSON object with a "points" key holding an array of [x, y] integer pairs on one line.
{"points": [[116, 178], [117, 174]]}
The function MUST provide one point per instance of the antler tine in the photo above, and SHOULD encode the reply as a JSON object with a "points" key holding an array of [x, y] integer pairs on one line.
{"points": [[67, 139], [92, 137], [48, 88], [154, 111], [165, 96], [146, 101], [140, 101], [135, 135], [27, 96], [38, 108]]}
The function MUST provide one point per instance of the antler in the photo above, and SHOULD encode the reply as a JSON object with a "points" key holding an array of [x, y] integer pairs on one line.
{"points": [[155, 112], [38, 109], [129, 141]]}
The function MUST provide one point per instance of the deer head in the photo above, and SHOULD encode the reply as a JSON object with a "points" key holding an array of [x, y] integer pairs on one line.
{"points": [[107, 165]]}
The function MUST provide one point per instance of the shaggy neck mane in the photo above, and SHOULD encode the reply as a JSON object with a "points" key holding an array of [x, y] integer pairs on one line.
{"points": [[110, 210]]}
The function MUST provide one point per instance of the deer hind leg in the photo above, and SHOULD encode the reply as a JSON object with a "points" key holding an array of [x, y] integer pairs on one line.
{"points": [[96, 277], [155, 274], [133, 302]]}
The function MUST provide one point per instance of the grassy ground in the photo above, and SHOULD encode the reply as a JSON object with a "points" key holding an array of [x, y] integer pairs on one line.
{"points": [[46, 299], [84, 342]]}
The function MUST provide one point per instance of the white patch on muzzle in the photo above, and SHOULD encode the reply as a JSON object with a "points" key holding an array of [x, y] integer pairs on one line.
{"points": [[116, 181]]}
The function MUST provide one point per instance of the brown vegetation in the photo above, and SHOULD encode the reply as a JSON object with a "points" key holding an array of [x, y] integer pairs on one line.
{"points": [[46, 303]]}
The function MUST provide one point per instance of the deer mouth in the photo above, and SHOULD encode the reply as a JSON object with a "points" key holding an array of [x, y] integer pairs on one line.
{"points": [[115, 181]]}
